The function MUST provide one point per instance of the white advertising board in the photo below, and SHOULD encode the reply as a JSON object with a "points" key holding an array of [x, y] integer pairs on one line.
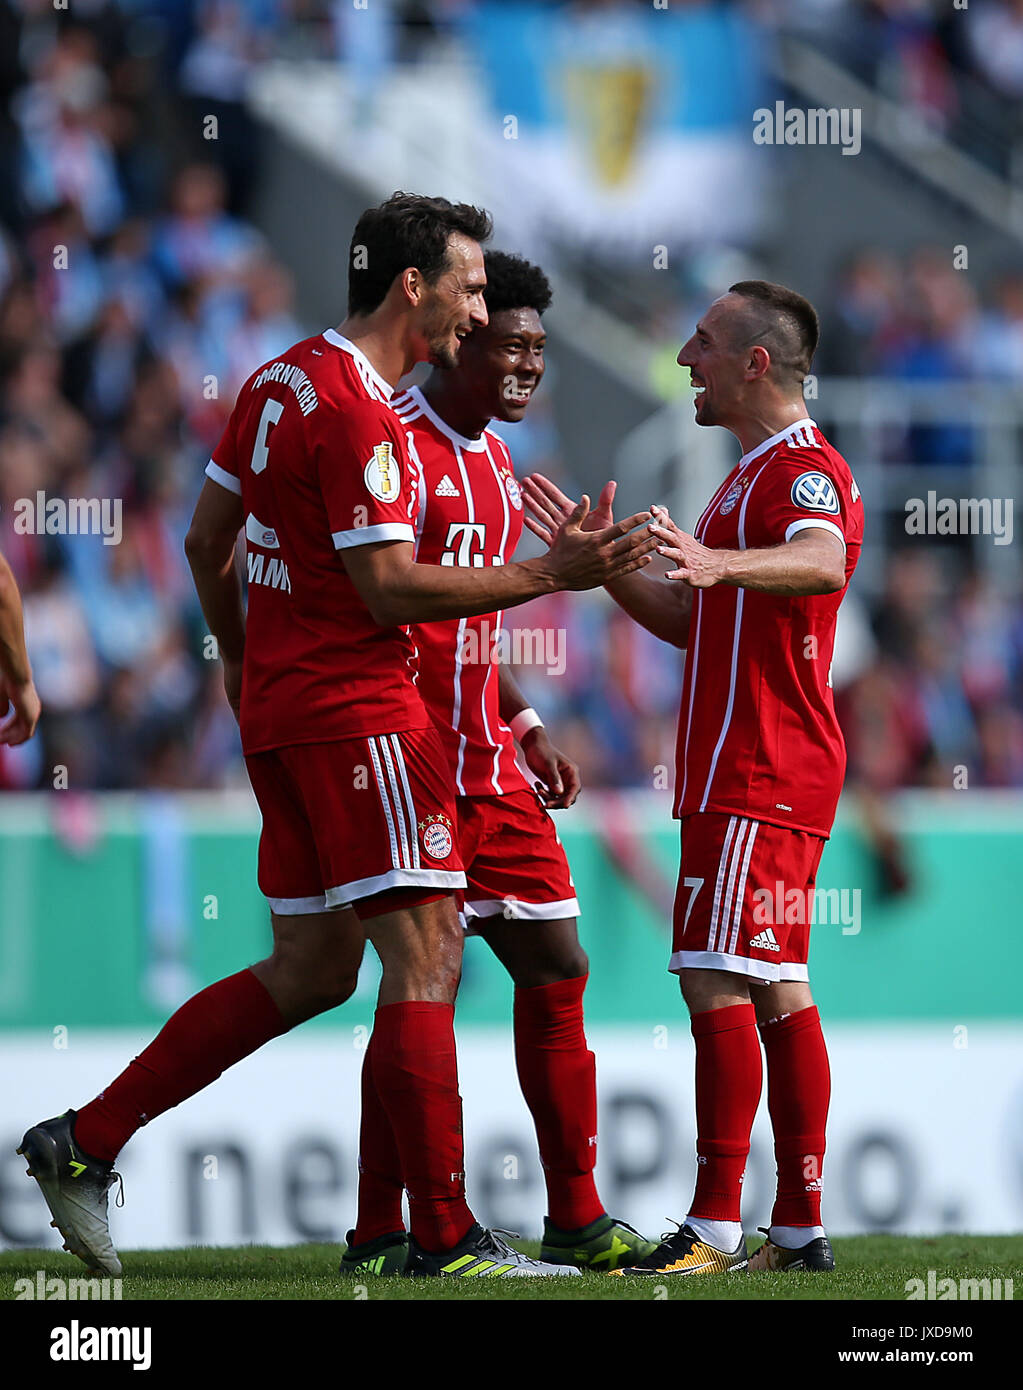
{"points": [[926, 1135]]}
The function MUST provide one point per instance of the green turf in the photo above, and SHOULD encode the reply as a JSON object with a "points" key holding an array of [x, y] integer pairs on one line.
{"points": [[868, 1267]]}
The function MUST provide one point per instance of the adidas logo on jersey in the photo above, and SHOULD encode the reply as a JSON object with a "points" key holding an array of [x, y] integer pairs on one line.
{"points": [[765, 941], [446, 488]]}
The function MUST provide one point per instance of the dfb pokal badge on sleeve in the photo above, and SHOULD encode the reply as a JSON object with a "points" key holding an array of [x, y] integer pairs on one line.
{"points": [[382, 474]]}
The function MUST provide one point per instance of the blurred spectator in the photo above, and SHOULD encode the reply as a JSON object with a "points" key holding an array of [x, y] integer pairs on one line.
{"points": [[862, 315], [998, 342], [214, 77], [995, 37], [67, 154], [199, 240]]}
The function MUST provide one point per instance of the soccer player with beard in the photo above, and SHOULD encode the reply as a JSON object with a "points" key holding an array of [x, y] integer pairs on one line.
{"points": [[520, 897], [349, 772], [753, 599]]}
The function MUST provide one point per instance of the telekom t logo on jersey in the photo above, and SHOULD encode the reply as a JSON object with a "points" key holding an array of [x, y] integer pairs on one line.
{"points": [[465, 545]]}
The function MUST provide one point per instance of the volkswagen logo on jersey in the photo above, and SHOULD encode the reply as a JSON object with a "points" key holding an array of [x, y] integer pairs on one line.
{"points": [[435, 834], [815, 492], [513, 490], [383, 475], [732, 496]]}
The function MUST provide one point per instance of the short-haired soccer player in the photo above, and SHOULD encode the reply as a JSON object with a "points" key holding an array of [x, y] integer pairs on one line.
{"points": [[349, 772], [520, 896], [753, 599]]}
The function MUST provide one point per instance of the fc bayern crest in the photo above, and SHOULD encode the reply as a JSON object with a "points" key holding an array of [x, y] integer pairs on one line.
{"points": [[435, 833], [513, 490], [732, 496]]}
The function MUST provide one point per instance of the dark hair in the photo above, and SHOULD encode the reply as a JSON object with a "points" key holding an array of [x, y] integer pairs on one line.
{"points": [[788, 325], [406, 230], [514, 283]]}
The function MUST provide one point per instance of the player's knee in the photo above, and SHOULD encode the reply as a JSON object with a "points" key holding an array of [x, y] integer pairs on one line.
{"points": [[705, 990], [551, 968], [332, 992], [429, 971], [436, 958], [433, 981], [307, 998], [315, 983], [575, 963]]}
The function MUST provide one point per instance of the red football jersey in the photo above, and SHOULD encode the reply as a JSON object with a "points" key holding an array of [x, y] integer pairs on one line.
{"points": [[470, 513], [320, 463], [757, 731]]}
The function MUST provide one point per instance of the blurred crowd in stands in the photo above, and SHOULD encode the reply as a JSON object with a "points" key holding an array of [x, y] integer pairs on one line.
{"points": [[135, 298], [955, 71]]}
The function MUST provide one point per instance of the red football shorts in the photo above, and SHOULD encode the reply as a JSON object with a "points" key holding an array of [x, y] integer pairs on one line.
{"points": [[514, 862], [351, 818], [745, 898]]}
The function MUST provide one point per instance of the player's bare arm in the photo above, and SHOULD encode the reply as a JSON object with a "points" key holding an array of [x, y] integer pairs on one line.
{"points": [[397, 591], [812, 562], [663, 609], [559, 781], [210, 548], [16, 685]]}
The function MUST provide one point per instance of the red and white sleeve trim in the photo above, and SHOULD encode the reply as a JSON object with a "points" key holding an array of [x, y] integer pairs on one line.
{"points": [[806, 522], [370, 535], [224, 478]]}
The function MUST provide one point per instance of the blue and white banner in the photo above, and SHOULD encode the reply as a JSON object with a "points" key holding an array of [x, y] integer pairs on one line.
{"points": [[625, 124]]}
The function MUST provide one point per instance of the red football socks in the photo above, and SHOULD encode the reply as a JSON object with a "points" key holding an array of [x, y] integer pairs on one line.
{"points": [[798, 1093], [729, 1075], [558, 1077], [415, 1074], [213, 1030], [380, 1182]]}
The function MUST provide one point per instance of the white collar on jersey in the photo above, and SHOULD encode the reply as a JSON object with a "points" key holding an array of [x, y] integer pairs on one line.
{"points": [[336, 340], [774, 439], [472, 446]]}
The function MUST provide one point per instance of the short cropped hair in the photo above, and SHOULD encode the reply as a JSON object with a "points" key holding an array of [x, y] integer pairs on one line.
{"points": [[406, 230], [782, 321], [514, 283]]}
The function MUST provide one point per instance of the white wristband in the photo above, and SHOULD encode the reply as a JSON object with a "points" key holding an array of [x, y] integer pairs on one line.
{"points": [[525, 720]]}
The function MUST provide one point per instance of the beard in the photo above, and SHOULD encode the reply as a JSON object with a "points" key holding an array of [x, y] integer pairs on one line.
{"points": [[441, 353], [704, 413], [437, 332]]}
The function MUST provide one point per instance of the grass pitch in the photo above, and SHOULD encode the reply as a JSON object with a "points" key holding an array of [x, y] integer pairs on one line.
{"points": [[869, 1267]]}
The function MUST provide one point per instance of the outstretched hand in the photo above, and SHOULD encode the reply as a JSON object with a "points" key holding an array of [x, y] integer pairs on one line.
{"points": [[548, 509], [698, 566], [584, 557]]}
